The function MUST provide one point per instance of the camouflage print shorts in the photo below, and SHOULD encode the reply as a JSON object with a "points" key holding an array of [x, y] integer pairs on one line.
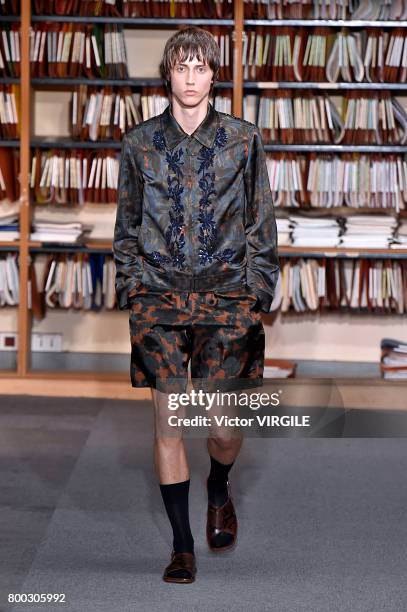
{"points": [[220, 333]]}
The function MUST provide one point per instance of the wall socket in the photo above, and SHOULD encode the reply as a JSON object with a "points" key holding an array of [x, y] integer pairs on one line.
{"points": [[8, 341], [46, 342], [39, 342]]}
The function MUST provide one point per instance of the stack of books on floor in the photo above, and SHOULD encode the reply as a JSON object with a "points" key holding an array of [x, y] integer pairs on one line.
{"points": [[393, 362]]}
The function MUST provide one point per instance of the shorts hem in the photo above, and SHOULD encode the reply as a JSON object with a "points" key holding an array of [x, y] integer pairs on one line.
{"points": [[232, 384]]}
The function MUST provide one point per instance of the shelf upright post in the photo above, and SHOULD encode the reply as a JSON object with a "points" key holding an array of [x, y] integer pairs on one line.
{"points": [[24, 315], [237, 59]]}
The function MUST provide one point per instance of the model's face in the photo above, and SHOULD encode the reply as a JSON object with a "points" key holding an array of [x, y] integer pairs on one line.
{"points": [[190, 81]]}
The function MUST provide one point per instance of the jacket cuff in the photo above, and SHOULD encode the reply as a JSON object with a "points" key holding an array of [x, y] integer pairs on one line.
{"points": [[123, 300], [265, 299], [125, 294]]}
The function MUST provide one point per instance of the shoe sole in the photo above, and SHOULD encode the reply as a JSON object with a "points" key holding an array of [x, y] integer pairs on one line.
{"points": [[179, 580]]}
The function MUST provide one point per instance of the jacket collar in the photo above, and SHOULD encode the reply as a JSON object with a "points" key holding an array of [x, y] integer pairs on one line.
{"points": [[205, 133]]}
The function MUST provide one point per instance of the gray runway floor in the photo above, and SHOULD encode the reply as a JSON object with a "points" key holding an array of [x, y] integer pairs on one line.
{"points": [[322, 522]]}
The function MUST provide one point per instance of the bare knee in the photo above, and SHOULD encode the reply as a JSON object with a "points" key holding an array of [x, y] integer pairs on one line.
{"points": [[227, 442], [169, 443]]}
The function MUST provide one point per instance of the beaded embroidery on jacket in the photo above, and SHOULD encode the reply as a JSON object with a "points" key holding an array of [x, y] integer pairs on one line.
{"points": [[174, 234]]}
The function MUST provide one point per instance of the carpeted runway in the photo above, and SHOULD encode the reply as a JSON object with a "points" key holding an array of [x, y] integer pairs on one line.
{"points": [[322, 522]]}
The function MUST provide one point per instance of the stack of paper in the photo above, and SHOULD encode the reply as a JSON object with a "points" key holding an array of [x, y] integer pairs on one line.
{"points": [[58, 232], [9, 280], [308, 232], [9, 227], [283, 231], [277, 368], [393, 358], [368, 231], [400, 236]]}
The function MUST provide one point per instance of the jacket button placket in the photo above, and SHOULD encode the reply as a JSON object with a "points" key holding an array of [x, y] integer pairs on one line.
{"points": [[190, 205]]}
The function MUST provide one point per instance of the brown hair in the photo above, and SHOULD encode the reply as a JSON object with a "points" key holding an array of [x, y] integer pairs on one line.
{"points": [[186, 43]]}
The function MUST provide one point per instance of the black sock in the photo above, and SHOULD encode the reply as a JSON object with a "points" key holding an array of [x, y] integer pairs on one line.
{"points": [[217, 482], [175, 497]]}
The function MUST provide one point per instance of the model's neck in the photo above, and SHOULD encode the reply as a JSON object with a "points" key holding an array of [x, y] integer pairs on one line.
{"points": [[189, 118]]}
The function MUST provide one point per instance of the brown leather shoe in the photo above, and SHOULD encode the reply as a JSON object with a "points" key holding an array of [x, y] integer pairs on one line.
{"points": [[181, 569], [221, 519]]}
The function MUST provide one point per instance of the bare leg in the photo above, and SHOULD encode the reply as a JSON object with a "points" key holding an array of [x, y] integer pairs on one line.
{"points": [[172, 468], [169, 450], [224, 442]]}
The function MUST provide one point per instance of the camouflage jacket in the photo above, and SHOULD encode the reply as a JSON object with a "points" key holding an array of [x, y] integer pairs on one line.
{"points": [[194, 212]]}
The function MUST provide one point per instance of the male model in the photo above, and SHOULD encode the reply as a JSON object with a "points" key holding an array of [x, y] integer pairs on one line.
{"points": [[195, 248]]}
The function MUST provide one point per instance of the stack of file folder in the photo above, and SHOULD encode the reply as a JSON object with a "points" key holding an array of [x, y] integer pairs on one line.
{"points": [[222, 9], [83, 281], [10, 50], [280, 368], [99, 113], [61, 176], [9, 280], [393, 362], [9, 227], [59, 232], [223, 101], [400, 238], [9, 111], [328, 9], [283, 231], [9, 7], [308, 232], [331, 284], [75, 50], [368, 231], [320, 54], [9, 171]]}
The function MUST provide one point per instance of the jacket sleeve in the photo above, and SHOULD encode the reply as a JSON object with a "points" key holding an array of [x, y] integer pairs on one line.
{"points": [[260, 225], [126, 256]]}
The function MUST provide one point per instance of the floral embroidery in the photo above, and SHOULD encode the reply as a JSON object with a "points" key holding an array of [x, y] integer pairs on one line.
{"points": [[158, 140], [174, 234], [220, 138], [208, 229]]}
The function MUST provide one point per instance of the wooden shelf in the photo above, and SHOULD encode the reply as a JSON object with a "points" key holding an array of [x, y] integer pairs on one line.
{"points": [[132, 21], [283, 251], [330, 23], [351, 253], [9, 246], [129, 82], [321, 85], [336, 148]]}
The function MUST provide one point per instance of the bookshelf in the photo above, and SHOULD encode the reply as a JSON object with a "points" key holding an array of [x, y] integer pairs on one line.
{"points": [[25, 246]]}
